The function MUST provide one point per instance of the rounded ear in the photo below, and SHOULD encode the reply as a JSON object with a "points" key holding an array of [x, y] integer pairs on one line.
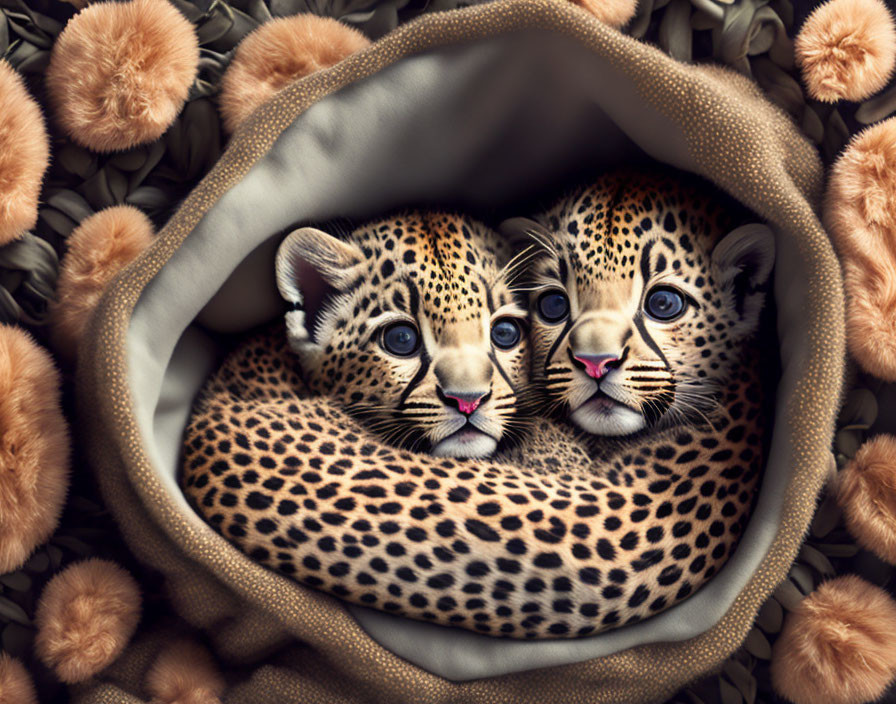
{"points": [[310, 261], [525, 232], [744, 258], [310, 265]]}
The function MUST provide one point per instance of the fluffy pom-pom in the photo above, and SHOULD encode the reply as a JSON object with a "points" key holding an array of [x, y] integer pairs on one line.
{"points": [[838, 646], [871, 317], [16, 686], [24, 154], [866, 492], [184, 673], [860, 214], [847, 49], [85, 617], [278, 53], [100, 247], [616, 13], [861, 202], [34, 447], [120, 73]]}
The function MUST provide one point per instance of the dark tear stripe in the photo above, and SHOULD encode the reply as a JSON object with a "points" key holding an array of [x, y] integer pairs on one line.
{"points": [[639, 323], [563, 271], [624, 356], [418, 377], [563, 333], [491, 356], [425, 359]]}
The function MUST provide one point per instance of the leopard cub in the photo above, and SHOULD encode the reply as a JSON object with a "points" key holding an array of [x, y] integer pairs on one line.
{"points": [[412, 325]]}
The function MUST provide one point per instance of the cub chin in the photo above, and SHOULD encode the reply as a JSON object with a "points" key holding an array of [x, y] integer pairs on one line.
{"points": [[412, 324]]}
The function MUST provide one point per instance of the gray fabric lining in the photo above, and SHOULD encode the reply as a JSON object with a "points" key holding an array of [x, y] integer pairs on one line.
{"points": [[471, 127]]}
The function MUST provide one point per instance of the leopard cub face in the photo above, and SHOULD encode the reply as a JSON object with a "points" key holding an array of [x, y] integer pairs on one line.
{"points": [[644, 301], [413, 325]]}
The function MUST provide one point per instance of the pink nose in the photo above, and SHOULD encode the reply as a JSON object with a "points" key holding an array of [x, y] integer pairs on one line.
{"points": [[596, 365], [467, 402]]}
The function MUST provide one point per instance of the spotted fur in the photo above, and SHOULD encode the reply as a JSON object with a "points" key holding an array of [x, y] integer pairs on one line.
{"points": [[588, 538]]}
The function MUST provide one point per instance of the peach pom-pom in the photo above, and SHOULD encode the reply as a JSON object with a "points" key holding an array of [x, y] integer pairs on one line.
{"points": [[184, 673], [866, 492], [278, 53], [846, 49], [24, 154], [616, 13], [120, 72], [100, 247], [86, 615], [860, 214], [16, 686], [34, 447], [838, 646]]}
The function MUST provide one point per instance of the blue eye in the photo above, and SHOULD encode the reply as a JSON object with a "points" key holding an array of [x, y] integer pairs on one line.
{"points": [[553, 306], [664, 304], [400, 339], [506, 333]]}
